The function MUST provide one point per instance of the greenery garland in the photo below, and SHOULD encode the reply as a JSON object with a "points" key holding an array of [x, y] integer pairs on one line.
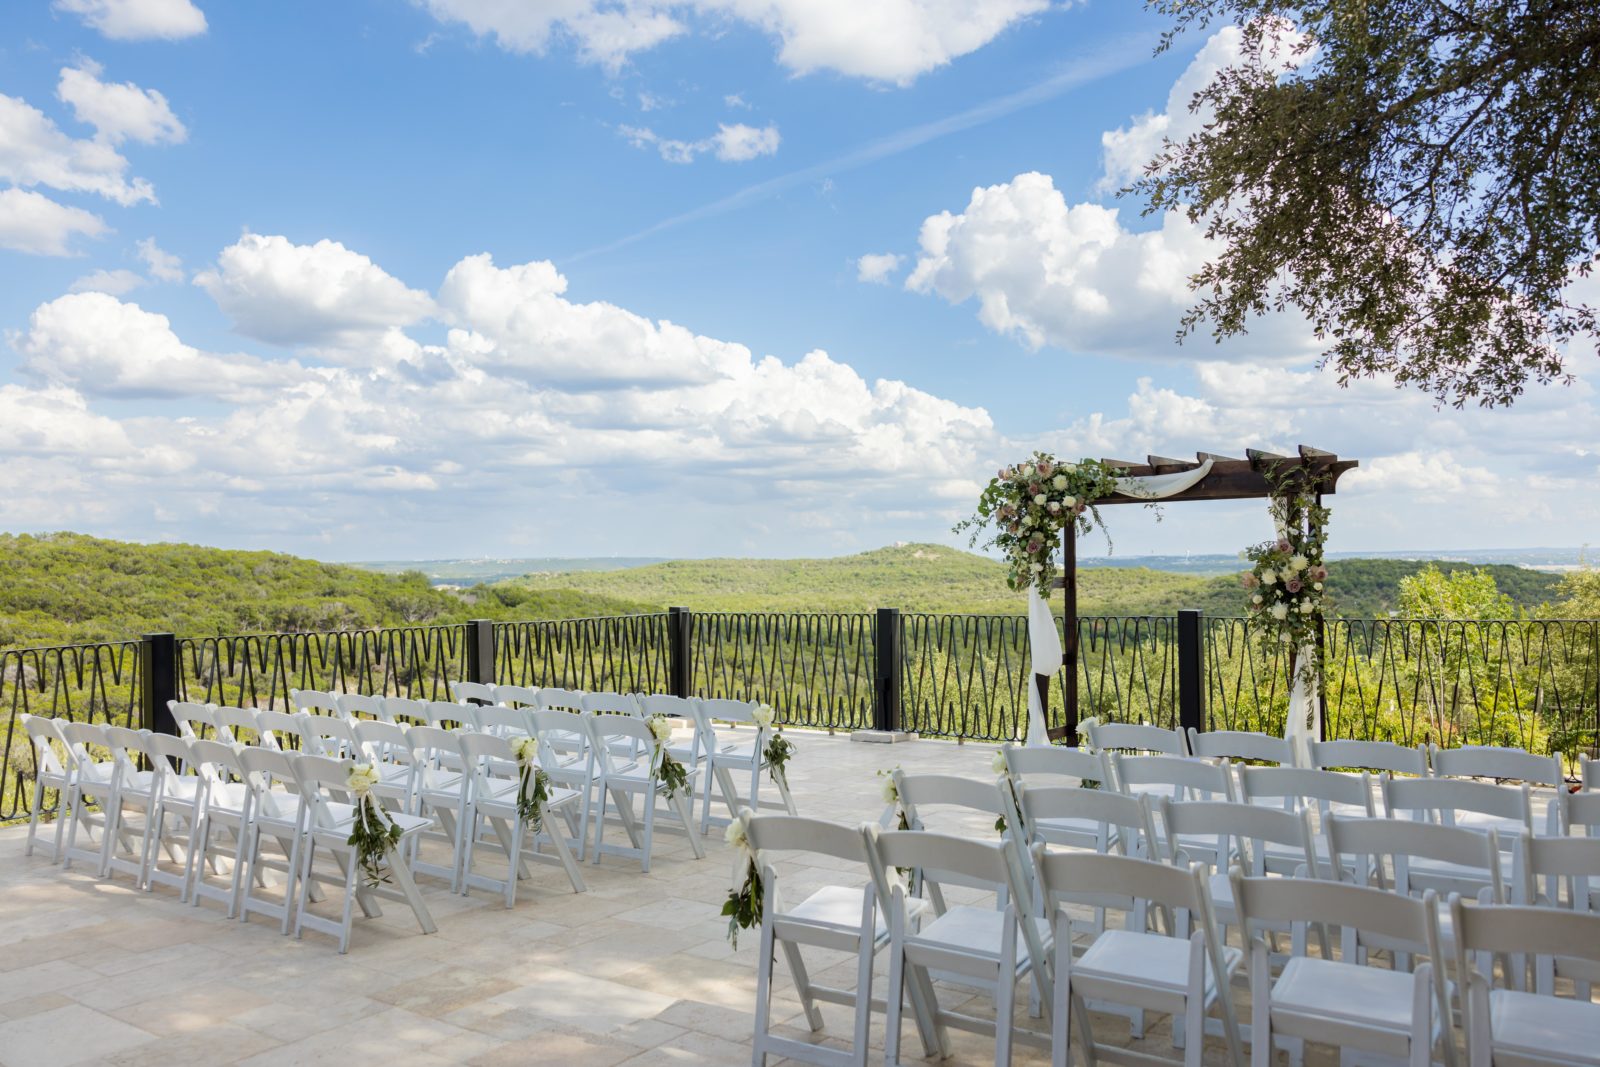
{"points": [[1285, 585], [673, 774], [747, 900], [1029, 506], [533, 791]]}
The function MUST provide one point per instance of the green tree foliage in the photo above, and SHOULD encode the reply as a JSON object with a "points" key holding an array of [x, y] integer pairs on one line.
{"points": [[1420, 179], [1432, 593]]}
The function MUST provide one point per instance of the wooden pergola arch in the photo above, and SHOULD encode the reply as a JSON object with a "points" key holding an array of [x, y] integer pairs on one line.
{"points": [[1310, 470]]}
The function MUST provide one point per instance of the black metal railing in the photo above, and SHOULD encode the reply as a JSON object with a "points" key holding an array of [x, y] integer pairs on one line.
{"points": [[619, 653], [258, 670], [98, 683], [1530, 683], [815, 669]]}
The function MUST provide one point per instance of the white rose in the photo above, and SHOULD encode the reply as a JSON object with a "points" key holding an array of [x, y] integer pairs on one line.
{"points": [[1059, 481], [763, 716], [1317, 586], [1026, 471], [891, 795], [1036, 567], [1039, 499], [1305, 607], [1069, 467], [1068, 501], [735, 835], [661, 728], [1280, 611], [1269, 576], [1256, 599], [1298, 562], [997, 763], [1055, 508]]}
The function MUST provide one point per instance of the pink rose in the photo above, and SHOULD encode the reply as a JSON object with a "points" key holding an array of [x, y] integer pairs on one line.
{"points": [[1249, 580], [1283, 545], [1045, 470], [1034, 488], [1034, 546], [1319, 573], [1293, 585]]}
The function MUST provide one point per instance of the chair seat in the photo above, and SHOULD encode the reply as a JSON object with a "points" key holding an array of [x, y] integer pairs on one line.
{"points": [[1545, 1027], [1363, 996], [1477, 820], [139, 783], [975, 930], [1147, 959], [185, 789], [837, 905], [1047, 828], [227, 797]]}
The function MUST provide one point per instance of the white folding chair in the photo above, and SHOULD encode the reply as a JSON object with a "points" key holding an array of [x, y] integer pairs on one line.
{"points": [[315, 702], [1477, 806], [1588, 772], [975, 942], [1056, 769], [1182, 975], [49, 772], [1246, 831], [360, 705], [180, 797], [728, 754], [137, 790], [516, 696], [1136, 738], [1175, 778], [496, 788], [1511, 1028], [282, 730], [620, 778], [1580, 813], [1343, 1002], [234, 725], [93, 780], [333, 736], [1299, 789], [275, 815], [979, 805], [1504, 765], [1561, 872], [1237, 745], [448, 715], [226, 810], [405, 710], [1097, 819], [1370, 756], [193, 720], [554, 698], [833, 918], [387, 747], [614, 704], [473, 693], [442, 800], [330, 819], [690, 753], [563, 741]]}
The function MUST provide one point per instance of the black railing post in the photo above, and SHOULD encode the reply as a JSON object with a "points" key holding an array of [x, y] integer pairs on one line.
{"points": [[886, 672], [1191, 705], [158, 662], [679, 621], [480, 652]]}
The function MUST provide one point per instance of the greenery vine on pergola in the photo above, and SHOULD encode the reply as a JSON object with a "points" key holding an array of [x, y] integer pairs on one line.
{"points": [[1261, 475]]}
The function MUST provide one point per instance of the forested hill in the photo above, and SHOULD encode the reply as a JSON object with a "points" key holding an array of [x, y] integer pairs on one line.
{"points": [[59, 588], [66, 587], [936, 578]]}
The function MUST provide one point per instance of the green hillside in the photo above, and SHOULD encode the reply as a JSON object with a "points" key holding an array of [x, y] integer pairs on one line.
{"points": [[936, 578], [66, 587]]}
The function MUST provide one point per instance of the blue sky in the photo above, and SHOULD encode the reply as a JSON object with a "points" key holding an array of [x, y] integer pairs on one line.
{"points": [[391, 279]]}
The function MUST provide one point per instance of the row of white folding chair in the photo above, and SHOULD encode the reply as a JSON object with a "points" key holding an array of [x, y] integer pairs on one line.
{"points": [[189, 791]]}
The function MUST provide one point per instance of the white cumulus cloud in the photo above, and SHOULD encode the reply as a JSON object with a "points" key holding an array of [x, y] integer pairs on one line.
{"points": [[34, 151], [32, 222], [893, 41], [119, 111], [876, 267], [732, 143], [163, 266], [114, 282], [138, 20], [323, 293]]}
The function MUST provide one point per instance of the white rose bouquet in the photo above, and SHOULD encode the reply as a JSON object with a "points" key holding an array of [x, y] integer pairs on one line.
{"points": [[373, 833], [1027, 507], [779, 749]]}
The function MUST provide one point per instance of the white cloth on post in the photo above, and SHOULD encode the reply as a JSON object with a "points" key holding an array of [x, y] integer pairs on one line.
{"points": [[1304, 723], [1044, 647]]}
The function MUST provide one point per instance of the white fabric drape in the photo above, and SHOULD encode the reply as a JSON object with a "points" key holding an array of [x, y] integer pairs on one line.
{"points": [[1043, 641], [1044, 647], [1304, 723]]}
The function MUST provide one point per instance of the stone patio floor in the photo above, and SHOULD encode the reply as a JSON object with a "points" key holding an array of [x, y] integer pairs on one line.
{"points": [[636, 971]]}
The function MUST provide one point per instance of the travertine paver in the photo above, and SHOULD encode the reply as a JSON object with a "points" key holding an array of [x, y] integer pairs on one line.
{"points": [[637, 971]]}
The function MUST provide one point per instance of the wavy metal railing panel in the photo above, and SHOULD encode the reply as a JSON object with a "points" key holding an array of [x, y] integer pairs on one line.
{"points": [[965, 675], [258, 670], [620, 653], [815, 669], [84, 683]]}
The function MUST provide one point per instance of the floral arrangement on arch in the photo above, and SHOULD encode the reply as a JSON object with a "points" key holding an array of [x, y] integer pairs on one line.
{"points": [[1028, 506], [1286, 582]]}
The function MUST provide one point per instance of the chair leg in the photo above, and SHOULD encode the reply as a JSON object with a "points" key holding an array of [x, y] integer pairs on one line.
{"points": [[600, 823], [33, 814], [894, 996], [408, 889], [469, 821], [1005, 991], [863, 1017], [802, 984], [64, 798], [564, 854], [685, 811], [351, 867], [513, 846], [758, 1057], [649, 826]]}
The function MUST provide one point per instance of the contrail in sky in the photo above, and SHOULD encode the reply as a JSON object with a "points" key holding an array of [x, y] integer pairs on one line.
{"points": [[1119, 54]]}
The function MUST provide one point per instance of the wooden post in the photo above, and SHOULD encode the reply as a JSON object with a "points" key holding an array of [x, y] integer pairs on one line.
{"points": [[1322, 683]]}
